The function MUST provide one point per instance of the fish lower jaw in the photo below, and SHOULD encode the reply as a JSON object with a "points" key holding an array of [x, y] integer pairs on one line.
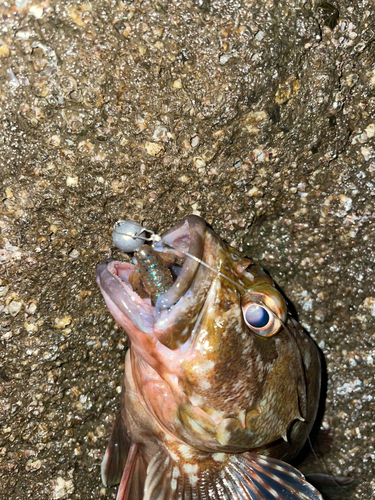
{"points": [[125, 305]]}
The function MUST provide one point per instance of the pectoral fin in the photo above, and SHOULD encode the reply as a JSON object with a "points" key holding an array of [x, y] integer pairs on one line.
{"points": [[116, 453], [124, 463], [222, 476]]}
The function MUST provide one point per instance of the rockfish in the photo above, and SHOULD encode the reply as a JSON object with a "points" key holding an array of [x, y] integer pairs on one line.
{"points": [[221, 384]]}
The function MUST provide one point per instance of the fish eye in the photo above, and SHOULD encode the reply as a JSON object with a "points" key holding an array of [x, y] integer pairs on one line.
{"points": [[260, 319], [256, 316], [264, 310]]}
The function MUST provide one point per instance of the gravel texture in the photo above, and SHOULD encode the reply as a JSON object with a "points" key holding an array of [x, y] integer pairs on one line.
{"points": [[255, 115]]}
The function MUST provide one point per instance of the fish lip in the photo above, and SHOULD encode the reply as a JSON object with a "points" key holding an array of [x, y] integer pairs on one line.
{"points": [[113, 276], [191, 229]]}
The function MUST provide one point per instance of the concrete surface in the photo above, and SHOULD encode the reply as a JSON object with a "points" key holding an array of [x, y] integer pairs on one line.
{"points": [[255, 115]]}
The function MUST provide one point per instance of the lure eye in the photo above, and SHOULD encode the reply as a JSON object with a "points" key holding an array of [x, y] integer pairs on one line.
{"points": [[256, 316]]}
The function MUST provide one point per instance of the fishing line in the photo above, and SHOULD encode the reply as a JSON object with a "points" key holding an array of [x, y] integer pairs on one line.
{"points": [[155, 238], [325, 468], [321, 463], [129, 236]]}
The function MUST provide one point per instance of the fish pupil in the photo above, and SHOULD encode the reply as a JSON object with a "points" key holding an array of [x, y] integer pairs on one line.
{"points": [[257, 316]]}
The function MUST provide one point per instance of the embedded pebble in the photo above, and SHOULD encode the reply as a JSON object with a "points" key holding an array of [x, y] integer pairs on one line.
{"points": [[224, 58], [153, 148], [62, 322], [14, 307], [194, 141], [71, 181], [33, 465], [61, 488], [177, 84], [370, 130], [4, 288], [260, 35], [369, 304], [74, 254], [31, 327], [4, 50]]}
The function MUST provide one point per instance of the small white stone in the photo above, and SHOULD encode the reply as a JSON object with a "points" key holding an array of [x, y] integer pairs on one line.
{"points": [[32, 465], [36, 11], [194, 141], [254, 191], [160, 133], [61, 488], [366, 152], [224, 58], [74, 254], [370, 130], [7, 336], [346, 202], [14, 307], [71, 181], [199, 162], [369, 304], [62, 322], [31, 327], [153, 149]]}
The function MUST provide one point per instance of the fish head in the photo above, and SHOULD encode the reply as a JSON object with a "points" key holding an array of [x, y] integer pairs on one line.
{"points": [[234, 363]]}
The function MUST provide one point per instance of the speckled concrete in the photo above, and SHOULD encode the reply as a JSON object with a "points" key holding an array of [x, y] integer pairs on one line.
{"points": [[252, 114]]}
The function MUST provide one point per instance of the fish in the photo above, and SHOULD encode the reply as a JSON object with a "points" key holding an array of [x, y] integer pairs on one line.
{"points": [[221, 385]]}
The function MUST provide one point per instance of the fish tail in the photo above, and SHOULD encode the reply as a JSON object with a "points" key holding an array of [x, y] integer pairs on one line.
{"points": [[223, 476]]}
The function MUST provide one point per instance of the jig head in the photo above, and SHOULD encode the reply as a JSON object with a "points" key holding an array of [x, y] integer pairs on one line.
{"points": [[129, 236]]}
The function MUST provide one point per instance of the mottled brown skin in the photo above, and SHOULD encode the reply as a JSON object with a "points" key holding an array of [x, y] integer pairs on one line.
{"points": [[205, 384], [241, 400]]}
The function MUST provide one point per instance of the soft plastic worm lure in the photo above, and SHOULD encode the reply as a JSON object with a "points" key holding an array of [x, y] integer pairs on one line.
{"points": [[152, 276]]}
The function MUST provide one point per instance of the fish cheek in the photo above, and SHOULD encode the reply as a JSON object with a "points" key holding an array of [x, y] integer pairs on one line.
{"points": [[279, 404]]}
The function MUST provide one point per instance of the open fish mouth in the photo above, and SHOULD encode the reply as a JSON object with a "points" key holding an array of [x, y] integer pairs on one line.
{"points": [[127, 304]]}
